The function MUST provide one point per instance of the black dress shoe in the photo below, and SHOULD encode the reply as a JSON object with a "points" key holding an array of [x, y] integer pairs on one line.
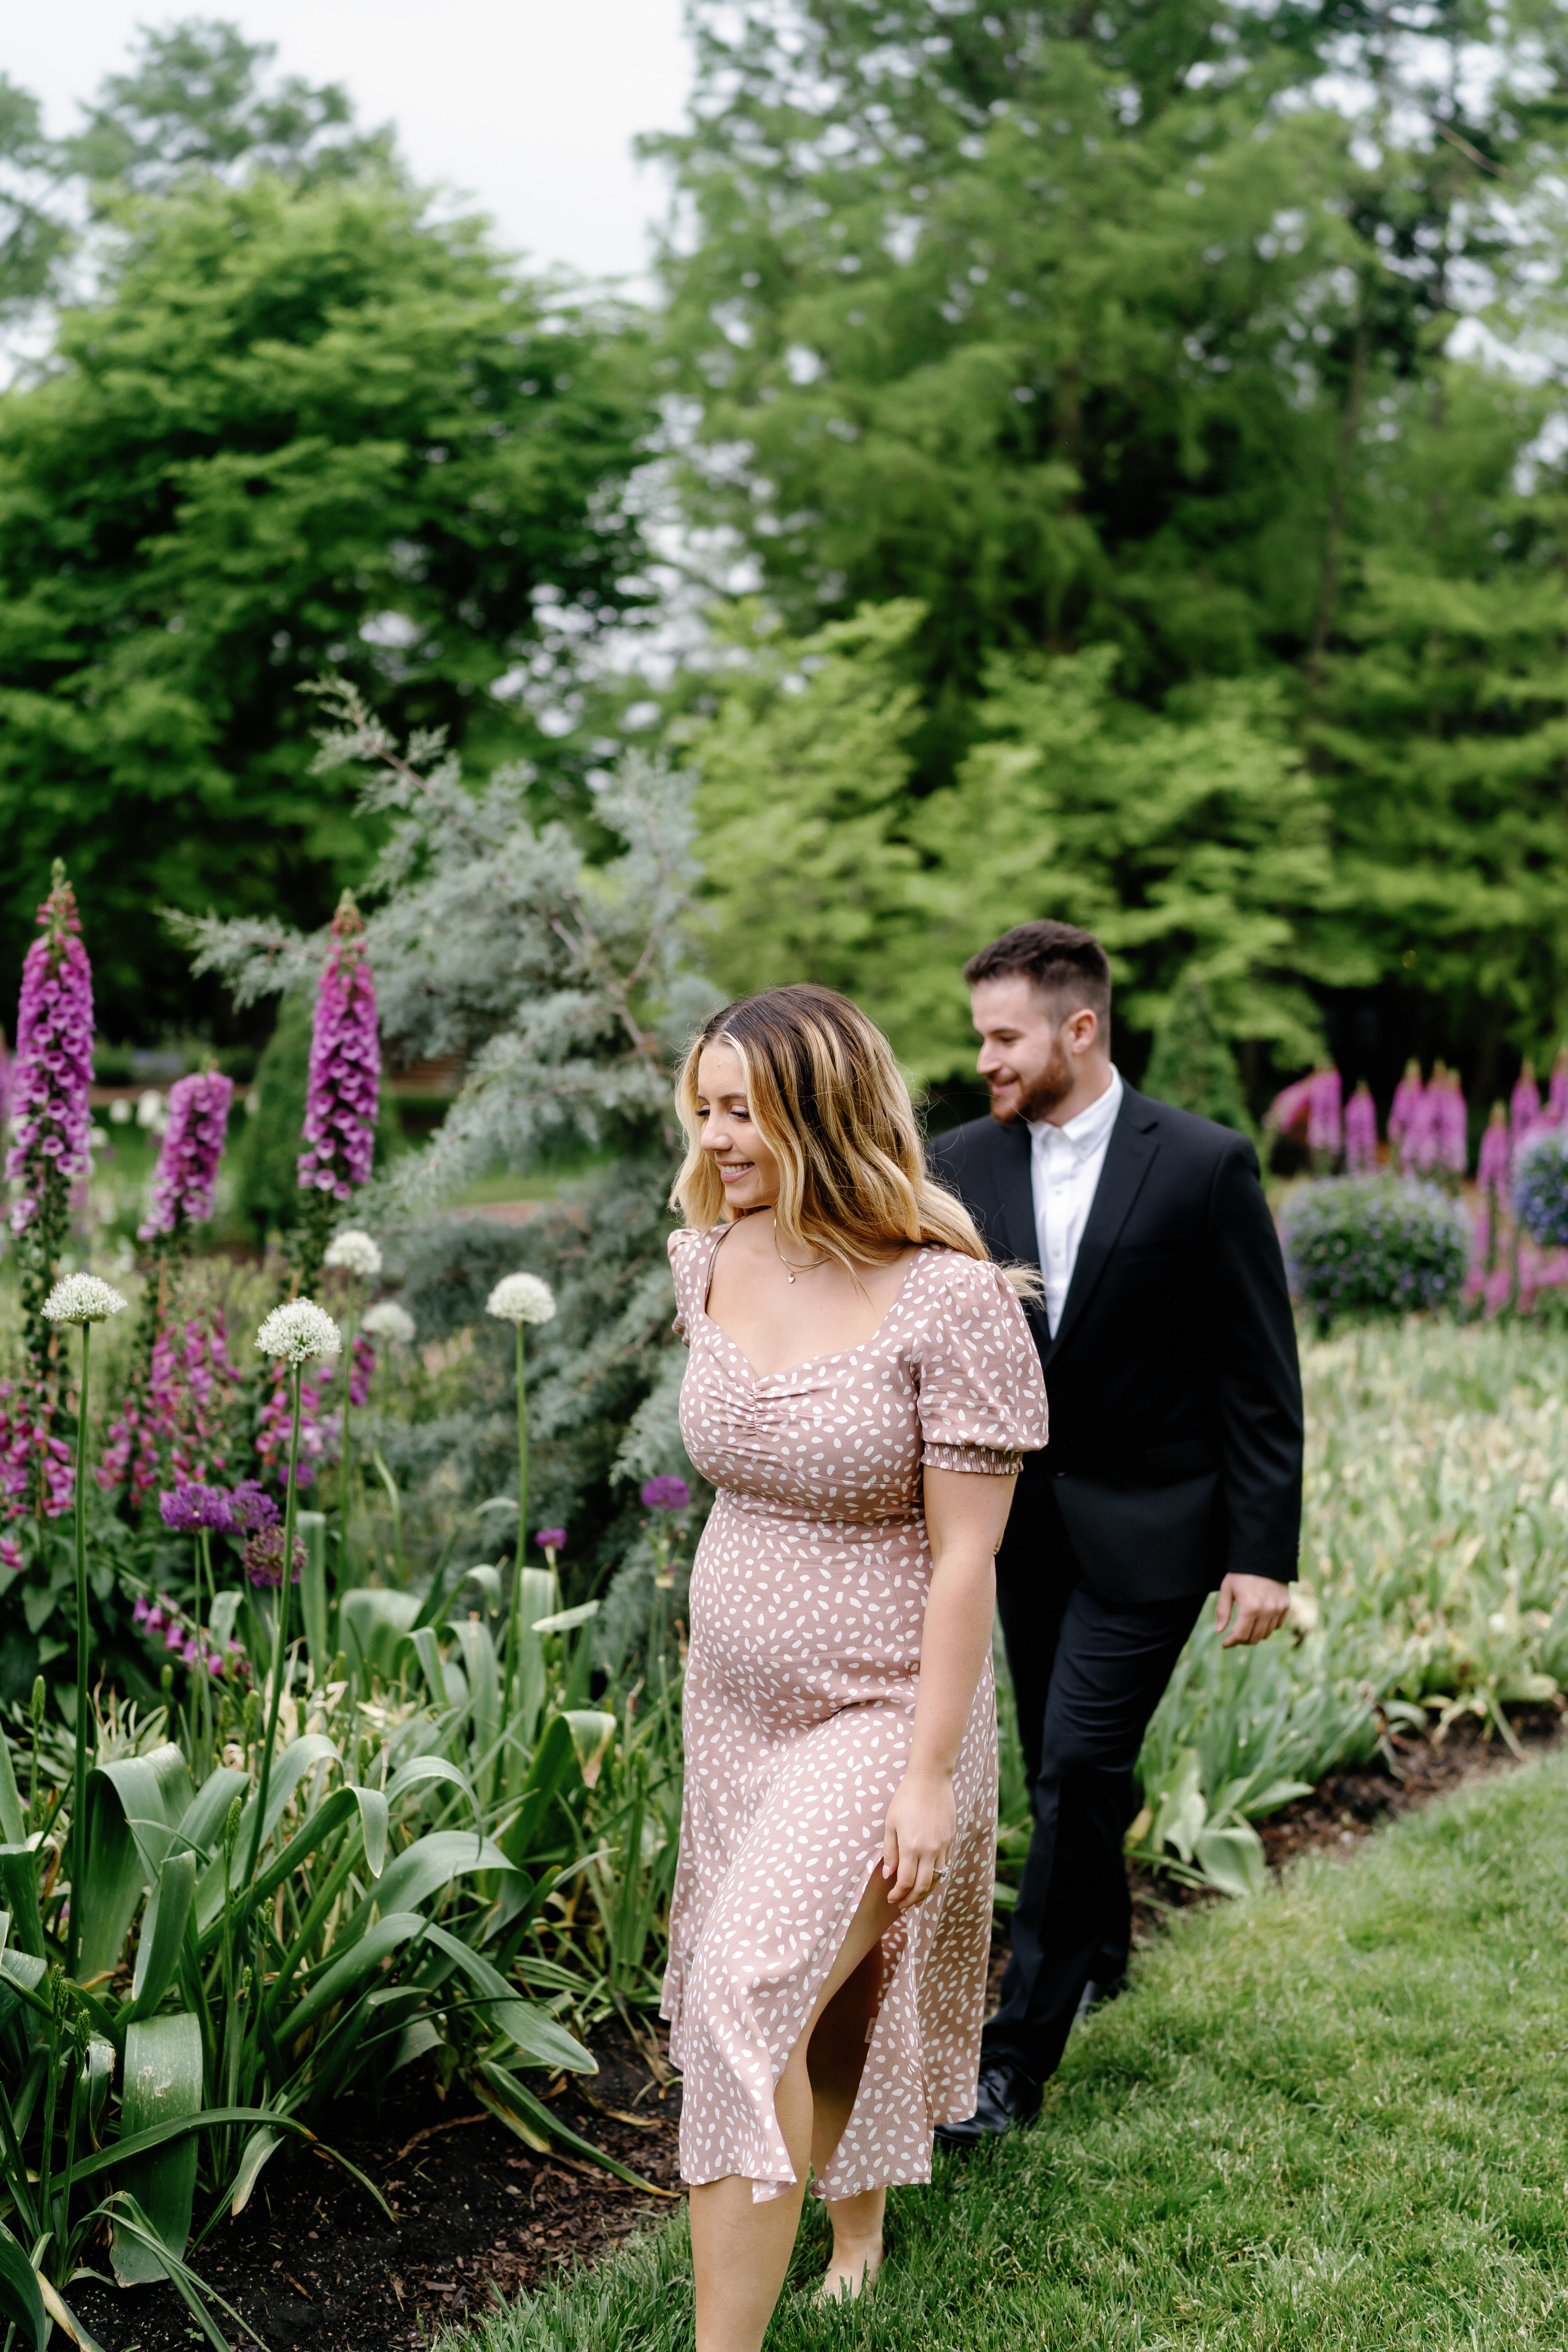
{"points": [[1009, 2098]]}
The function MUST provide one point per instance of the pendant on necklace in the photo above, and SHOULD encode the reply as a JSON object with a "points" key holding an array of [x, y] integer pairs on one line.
{"points": [[789, 1278]]}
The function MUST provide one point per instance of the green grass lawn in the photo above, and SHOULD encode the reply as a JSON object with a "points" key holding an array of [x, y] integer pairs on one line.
{"points": [[1336, 2116]]}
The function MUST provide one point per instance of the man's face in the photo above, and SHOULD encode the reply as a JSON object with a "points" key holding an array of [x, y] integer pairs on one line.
{"points": [[1023, 1055]]}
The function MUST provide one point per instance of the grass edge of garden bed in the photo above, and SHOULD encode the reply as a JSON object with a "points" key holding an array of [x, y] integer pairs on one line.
{"points": [[1334, 2115]]}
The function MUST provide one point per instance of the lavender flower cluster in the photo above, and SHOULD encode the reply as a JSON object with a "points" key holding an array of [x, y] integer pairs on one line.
{"points": [[345, 1067], [190, 1152], [52, 1073], [166, 1618], [1357, 1245]]}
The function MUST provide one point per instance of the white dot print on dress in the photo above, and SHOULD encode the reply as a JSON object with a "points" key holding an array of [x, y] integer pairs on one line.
{"points": [[798, 1713]]}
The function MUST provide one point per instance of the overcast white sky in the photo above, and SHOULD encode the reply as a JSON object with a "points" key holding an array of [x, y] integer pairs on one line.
{"points": [[529, 105]]}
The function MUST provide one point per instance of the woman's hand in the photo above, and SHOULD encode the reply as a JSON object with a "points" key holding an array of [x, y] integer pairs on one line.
{"points": [[921, 1820]]}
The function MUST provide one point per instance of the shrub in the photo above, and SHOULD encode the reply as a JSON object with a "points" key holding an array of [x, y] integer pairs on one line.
{"points": [[1540, 1187], [1374, 1245]]}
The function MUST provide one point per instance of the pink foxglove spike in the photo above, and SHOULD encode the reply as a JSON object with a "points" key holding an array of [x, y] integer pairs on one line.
{"points": [[345, 1066], [1324, 1125], [1409, 1097], [1360, 1132], [190, 1152], [1524, 1106], [1290, 1109], [1493, 1169]]}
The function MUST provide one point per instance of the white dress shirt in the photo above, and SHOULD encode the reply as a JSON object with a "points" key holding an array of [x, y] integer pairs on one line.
{"points": [[1064, 1171]]}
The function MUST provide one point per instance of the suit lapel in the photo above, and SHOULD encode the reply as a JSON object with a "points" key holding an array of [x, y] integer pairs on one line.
{"points": [[1015, 1191], [1129, 1155]]}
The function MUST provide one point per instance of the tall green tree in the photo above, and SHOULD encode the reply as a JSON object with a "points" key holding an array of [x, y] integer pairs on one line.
{"points": [[301, 426]]}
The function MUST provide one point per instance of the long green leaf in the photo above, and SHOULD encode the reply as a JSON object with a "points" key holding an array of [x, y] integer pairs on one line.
{"points": [[158, 2136], [534, 2031], [134, 2225], [253, 2155], [515, 2105], [20, 2301], [423, 1869], [433, 1767], [162, 2083], [164, 1932], [300, 1757], [312, 1529], [133, 1806], [19, 1889], [13, 1821], [363, 1957]]}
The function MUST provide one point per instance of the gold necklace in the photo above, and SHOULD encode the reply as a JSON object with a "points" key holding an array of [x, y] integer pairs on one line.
{"points": [[785, 1263]]}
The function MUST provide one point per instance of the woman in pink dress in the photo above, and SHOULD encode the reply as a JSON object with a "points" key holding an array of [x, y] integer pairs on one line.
{"points": [[861, 1385]]}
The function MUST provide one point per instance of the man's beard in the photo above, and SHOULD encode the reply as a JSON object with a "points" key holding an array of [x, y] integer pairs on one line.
{"points": [[1038, 1099]]}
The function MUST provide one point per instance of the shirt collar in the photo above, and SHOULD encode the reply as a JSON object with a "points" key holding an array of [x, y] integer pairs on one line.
{"points": [[1091, 1127]]}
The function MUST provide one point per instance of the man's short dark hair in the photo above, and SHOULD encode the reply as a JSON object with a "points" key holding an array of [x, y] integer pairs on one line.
{"points": [[1062, 962]]}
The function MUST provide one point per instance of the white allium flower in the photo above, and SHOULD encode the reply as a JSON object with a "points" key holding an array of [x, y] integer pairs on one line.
{"points": [[355, 1252], [82, 1298], [387, 1320], [522, 1298], [298, 1332]]}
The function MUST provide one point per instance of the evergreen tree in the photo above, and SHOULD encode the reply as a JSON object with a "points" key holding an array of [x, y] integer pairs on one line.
{"points": [[1191, 1064]]}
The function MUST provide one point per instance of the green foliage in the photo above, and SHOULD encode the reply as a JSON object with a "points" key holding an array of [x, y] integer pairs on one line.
{"points": [[33, 239], [1103, 336], [1194, 840], [1191, 1064], [300, 427], [197, 102]]}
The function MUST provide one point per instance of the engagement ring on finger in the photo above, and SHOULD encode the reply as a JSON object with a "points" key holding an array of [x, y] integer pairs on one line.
{"points": [[940, 1872]]}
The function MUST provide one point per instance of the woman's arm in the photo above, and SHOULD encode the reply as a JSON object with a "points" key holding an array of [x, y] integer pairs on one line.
{"points": [[965, 1512]]}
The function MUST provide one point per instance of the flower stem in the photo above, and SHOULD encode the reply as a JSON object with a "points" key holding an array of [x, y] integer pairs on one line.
{"points": [[79, 1796], [205, 1561], [279, 1645], [513, 1630], [346, 1505]]}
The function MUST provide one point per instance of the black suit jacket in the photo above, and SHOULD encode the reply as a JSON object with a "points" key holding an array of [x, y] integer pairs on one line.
{"points": [[1175, 1394]]}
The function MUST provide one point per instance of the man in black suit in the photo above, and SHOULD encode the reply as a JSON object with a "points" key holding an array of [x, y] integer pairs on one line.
{"points": [[1174, 1461]]}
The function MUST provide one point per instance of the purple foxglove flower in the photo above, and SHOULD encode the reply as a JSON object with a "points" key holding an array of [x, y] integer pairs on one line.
{"points": [[174, 1637], [52, 1073], [554, 1538], [1409, 1097], [190, 1507], [666, 1495], [1289, 1110], [143, 1610], [1557, 1091], [1524, 1105], [1448, 1142], [1360, 1132], [1492, 1172], [1323, 1126], [189, 1155], [345, 1066]]}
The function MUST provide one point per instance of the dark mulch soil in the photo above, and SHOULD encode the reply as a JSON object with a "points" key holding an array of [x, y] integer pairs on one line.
{"points": [[313, 2263]]}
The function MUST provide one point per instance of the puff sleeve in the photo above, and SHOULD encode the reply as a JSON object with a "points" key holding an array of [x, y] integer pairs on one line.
{"points": [[689, 1254], [981, 1392]]}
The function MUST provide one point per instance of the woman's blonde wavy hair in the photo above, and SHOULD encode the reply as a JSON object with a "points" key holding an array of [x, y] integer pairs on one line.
{"points": [[830, 1102]]}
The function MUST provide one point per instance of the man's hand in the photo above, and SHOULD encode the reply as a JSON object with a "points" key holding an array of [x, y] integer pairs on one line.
{"points": [[1256, 1604]]}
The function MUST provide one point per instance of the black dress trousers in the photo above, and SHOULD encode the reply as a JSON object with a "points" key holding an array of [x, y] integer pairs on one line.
{"points": [[1088, 1673]]}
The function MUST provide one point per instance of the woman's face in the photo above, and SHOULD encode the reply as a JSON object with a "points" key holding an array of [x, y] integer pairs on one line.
{"points": [[747, 1169]]}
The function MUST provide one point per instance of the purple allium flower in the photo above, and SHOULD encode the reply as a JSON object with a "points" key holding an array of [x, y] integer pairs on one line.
{"points": [[1360, 1132], [1323, 1124], [52, 1073], [253, 1508], [263, 1556], [666, 1495], [190, 1507], [189, 1155], [554, 1538], [345, 1066]]}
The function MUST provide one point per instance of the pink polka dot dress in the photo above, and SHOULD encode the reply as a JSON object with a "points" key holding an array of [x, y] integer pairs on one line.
{"points": [[807, 1597]]}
